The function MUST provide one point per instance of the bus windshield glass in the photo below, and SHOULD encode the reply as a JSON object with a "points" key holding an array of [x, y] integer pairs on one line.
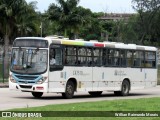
{"points": [[30, 43], [29, 60]]}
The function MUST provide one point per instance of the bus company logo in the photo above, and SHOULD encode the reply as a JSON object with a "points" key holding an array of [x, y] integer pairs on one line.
{"points": [[119, 72], [78, 73], [6, 114]]}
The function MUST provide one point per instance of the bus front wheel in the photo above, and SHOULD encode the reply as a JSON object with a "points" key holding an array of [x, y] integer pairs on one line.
{"points": [[37, 94], [69, 92]]}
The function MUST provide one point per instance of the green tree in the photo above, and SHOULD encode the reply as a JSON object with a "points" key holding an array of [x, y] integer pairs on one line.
{"points": [[16, 20], [9, 10], [93, 27], [28, 24], [68, 16], [147, 10]]}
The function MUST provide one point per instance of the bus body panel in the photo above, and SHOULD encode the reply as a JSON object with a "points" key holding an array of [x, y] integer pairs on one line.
{"points": [[106, 78], [83, 76], [150, 77]]}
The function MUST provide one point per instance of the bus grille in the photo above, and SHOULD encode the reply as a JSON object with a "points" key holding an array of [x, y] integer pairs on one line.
{"points": [[26, 77], [25, 86]]}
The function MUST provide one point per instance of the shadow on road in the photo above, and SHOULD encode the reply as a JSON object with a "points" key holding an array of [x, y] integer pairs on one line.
{"points": [[86, 96]]}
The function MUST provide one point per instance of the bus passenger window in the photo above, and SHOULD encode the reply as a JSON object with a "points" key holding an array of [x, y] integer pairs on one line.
{"points": [[97, 57], [138, 59], [123, 58], [82, 58], [70, 55], [150, 58], [129, 58]]}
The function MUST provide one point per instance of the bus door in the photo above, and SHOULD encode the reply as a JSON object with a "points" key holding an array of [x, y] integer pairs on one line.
{"points": [[55, 67]]}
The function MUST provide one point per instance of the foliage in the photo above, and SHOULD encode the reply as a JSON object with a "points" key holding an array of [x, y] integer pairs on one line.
{"points": [[64, 14], [16, 21], [67, 18], [28, 24], [148, 13]]}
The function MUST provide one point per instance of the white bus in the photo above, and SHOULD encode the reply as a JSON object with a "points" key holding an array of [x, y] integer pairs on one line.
{"points": [[57, 65]]}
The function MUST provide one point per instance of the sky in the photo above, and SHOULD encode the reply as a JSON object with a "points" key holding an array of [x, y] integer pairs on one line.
{"points": [[108, 6]]}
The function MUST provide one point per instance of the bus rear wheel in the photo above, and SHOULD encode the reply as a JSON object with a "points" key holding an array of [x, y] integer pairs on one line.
{"points": [[124, 90], [37, 94], [69, 92], [95, 94]]}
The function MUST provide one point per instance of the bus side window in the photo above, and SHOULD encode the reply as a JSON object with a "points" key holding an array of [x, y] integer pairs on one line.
{"points": [[82, 58], [97, 57], [129, 58], [116, 58], [138, 59], [89, 56], [150, 59], [104, 57], [123, 58], [70, 55]]}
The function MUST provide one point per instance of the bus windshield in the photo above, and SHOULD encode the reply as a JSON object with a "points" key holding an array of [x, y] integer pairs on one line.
{"points": [[29, 60]]}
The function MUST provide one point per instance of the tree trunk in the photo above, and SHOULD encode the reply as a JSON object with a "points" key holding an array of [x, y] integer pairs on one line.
{"points": [[6, 56], [65, 33]]}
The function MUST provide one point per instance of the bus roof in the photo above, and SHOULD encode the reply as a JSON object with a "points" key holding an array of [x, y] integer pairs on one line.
{"points": [[101, 44], [64, 41]]}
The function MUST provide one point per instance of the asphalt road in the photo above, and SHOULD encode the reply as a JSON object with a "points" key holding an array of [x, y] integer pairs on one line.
{"points": [[17, 99]]}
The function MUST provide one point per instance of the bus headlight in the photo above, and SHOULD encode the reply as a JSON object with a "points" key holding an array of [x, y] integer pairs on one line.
{"points": [[42, 80], [12, 79]]}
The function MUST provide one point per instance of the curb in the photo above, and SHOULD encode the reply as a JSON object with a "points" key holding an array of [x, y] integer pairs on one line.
{"points": [[4, 85]]}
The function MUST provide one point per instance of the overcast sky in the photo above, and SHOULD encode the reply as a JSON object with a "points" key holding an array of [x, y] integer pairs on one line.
{"points": [[114, 6]]}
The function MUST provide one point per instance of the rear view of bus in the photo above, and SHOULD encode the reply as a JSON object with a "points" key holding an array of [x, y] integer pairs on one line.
{"points": [[29, 62]]}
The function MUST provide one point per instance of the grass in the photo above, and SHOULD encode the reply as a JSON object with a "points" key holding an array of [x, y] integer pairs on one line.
{"points": [[146, 104]]}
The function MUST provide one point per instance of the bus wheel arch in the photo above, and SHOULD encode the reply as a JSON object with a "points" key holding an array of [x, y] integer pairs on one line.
{"points": [[71, 87]]}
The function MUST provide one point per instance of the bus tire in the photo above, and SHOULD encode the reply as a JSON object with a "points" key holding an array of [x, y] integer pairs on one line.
{"points": [[37, 94], [69, 92], [95, 94], [124, 90]]}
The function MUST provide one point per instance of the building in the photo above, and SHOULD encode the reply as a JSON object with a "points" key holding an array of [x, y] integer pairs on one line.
{"points": [[116, 16]]}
